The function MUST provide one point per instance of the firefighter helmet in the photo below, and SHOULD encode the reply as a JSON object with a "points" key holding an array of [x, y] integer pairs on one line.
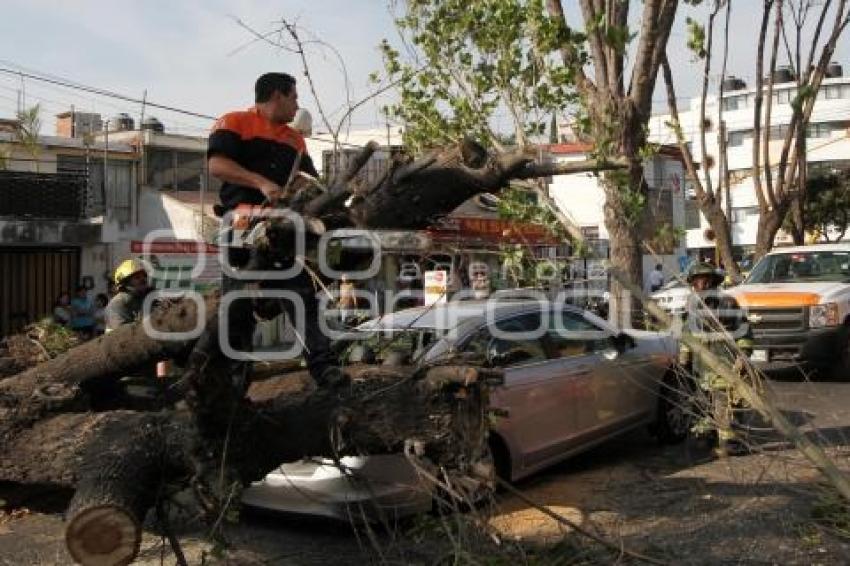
{"points": [[127, 269], [703, 269]]}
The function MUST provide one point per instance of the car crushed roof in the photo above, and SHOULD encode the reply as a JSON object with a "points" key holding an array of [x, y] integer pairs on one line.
{"points": [[446, 316]]}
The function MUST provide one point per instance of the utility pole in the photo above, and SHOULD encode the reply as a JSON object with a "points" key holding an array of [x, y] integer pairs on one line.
{"points": [[142, 173], [105, 166]]}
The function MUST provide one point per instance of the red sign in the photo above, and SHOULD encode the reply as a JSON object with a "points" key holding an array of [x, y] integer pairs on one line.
{"points": [[172, 247], [492, 230]]}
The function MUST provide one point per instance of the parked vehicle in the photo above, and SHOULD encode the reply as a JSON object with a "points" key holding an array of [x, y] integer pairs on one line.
{"points": [[673, 297], [572, 381], [797, 302]]}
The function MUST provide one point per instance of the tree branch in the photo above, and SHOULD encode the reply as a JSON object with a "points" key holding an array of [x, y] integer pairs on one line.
{"points": [[642, 80], [569, 56], [597, 45], [765, 199], [774, 191]]}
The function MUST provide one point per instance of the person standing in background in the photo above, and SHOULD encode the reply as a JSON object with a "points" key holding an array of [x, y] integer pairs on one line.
{"points": [[62, 309], [82, 310], [656, 279]]}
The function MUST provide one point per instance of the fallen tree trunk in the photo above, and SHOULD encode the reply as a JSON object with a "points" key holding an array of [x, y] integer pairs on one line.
{"points": [[227, 434], [416, 194]]}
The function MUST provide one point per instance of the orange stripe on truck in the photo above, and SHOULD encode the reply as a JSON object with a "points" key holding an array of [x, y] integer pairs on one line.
{"points": [[784, 299]]}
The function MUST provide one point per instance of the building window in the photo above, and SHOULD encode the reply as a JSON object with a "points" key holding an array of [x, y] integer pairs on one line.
{"points": [[818, 130], [782, 96], [831, 92], [113, 195], [778, 132], [732, 103], [742, 214], [176, 170], [692, 220], [738, 138]]}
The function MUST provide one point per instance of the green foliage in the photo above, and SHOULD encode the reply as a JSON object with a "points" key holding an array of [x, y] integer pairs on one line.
{"points": [[827, 205], [520, 265], [666, 238], [476, 60], [55, 338], [696, 38], [27, 132], [803, 94]]}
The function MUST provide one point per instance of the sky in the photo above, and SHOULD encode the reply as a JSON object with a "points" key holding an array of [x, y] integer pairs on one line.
{"points": [[193, 54]]}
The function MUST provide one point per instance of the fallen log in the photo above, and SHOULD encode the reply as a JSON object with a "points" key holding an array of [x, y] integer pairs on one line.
{"points": [[227, 434]]}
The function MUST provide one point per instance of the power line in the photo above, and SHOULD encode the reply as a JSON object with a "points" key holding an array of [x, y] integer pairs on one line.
{"points": [[102, 92]]}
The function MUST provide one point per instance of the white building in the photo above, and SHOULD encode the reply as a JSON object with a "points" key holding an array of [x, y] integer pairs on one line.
{"points": [[581, 197], [827, 144], [321, 145]]}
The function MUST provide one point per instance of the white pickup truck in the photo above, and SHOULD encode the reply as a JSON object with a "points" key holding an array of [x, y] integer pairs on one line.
{"points": [[797, 302]]}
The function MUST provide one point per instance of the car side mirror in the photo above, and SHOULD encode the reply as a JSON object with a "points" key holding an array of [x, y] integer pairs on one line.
{"points": [[499, 356]]}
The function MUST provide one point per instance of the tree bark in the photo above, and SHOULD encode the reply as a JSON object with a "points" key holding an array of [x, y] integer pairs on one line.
{"points": [[769, 224]]}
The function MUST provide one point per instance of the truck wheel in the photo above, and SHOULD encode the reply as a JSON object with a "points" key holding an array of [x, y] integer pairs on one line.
{"points": [[841, 370], [675, 410]]}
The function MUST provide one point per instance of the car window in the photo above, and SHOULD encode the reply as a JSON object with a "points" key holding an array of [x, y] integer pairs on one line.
{"points": [[802, 266], [570, 334], [513, 351]]}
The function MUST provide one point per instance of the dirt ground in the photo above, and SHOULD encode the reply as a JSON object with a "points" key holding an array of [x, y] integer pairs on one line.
{"points": [[679, 505]]}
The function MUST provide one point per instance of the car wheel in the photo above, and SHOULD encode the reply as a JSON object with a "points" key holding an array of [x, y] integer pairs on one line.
{"points": [[841, 370], [675, 410]]}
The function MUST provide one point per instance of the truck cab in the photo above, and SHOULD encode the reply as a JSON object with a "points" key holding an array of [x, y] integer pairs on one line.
{"points": [[797, 303]]}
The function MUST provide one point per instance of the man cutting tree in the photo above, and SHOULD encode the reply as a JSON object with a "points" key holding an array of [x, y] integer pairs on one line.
{"points": [[256, 154]]}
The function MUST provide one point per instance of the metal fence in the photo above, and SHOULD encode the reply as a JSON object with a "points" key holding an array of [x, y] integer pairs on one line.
{"points": [[60, 196]]}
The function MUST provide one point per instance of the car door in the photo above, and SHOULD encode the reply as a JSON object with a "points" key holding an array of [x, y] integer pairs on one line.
{"points": [[626, 382], [577, 346], [537, 399]]}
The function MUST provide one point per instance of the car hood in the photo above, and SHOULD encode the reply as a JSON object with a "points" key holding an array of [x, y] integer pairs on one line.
{"points": [[785, 294], [675, 292]]}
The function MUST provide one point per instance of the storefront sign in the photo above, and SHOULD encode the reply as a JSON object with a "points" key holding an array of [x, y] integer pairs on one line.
{"points": [[436, 284], [495, 230]]}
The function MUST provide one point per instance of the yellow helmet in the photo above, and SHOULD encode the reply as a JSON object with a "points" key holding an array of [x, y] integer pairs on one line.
{"points": [[127, 268]]}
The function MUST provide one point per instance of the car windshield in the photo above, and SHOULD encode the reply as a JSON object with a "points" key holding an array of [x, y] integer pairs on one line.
{"points": [[802, 266], [674, 284]]}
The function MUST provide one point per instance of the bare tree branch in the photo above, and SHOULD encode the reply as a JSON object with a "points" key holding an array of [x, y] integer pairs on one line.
{"points": [[706, 169], [597, 44], [569, 55]]}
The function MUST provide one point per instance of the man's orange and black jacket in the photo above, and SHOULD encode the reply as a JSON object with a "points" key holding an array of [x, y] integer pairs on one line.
{"points": [[259, 146]]}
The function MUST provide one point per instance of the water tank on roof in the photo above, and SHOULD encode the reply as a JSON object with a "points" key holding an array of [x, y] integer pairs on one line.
{"points": [[783, 75], [121, 123], [733, 83], [152, 124], [834, 70]]}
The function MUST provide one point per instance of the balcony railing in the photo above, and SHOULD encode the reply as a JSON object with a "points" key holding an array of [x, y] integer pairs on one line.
{"points": [[56, 196]]}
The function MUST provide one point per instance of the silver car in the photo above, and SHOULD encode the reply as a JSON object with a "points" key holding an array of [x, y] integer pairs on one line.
{"points": [[572, 381]]}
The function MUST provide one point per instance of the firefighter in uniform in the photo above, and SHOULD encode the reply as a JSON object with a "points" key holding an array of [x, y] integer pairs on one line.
{"points": [[131, 281], [711, 317]]}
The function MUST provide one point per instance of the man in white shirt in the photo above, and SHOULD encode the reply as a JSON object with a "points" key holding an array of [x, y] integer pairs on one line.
{"points": [[656, 279]]}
